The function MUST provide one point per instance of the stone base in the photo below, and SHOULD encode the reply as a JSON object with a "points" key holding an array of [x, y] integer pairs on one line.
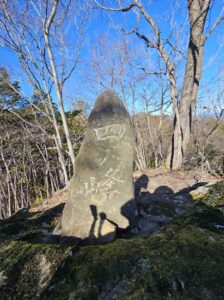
{"points": [[100, 231]]}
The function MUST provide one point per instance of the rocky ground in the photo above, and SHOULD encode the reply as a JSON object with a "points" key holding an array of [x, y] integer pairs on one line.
{"points": [[163, 195], [175, 252]]}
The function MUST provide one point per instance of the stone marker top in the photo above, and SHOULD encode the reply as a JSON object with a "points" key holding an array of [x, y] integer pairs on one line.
{"points": [[107, 106]]}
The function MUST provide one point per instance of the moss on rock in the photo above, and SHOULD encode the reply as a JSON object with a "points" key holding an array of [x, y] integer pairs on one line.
{"points": [[183, 260], [27, 268], [211, 194], [215, 198]]}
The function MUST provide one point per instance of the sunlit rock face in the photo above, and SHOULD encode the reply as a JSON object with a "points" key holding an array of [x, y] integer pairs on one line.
{"points": [[101, 192]]}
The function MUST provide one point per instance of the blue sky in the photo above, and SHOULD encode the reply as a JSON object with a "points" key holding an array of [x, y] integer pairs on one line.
{"points": [[163, 13]]}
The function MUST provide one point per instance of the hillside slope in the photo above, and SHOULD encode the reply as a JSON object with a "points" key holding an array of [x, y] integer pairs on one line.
{"points": [[182, 259]]}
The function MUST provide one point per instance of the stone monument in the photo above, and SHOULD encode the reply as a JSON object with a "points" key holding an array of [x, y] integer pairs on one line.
{"points": [[101, 197]]}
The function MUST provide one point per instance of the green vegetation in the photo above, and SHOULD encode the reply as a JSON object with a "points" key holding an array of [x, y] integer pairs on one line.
{"points": [[183, 260], [212, 196]]}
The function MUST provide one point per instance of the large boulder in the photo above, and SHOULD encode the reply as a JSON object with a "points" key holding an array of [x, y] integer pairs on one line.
{"points": [[101, 192]]}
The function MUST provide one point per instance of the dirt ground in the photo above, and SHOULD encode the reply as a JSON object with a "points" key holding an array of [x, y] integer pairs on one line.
{"points": [[159, 183], [56, 199], [175, 180]]}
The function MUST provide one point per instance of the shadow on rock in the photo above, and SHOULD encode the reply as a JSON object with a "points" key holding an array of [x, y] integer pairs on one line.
{"points": [[160, 207]]}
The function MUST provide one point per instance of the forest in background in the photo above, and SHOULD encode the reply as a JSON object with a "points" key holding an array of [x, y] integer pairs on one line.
{"points": [[156, 72]]}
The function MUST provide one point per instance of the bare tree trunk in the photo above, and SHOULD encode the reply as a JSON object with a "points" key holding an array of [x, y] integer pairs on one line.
{"points": [[57, 138], [197, 13], [182, 110], [58, 86], [9, 195]]}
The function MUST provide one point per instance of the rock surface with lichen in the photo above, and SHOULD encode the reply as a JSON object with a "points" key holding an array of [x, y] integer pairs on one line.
{"points": [[101, 191], [182, 260]]}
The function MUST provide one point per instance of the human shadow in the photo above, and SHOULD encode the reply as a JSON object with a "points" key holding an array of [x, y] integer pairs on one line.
{"points": [[191, 188], [96, 234], [143, 195], [93, 210], [130, 209], [100, 219], [153, 209], [37, 227], [149, 210], [161, 206], [145, 212], [140, 186], [162, 191]]}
